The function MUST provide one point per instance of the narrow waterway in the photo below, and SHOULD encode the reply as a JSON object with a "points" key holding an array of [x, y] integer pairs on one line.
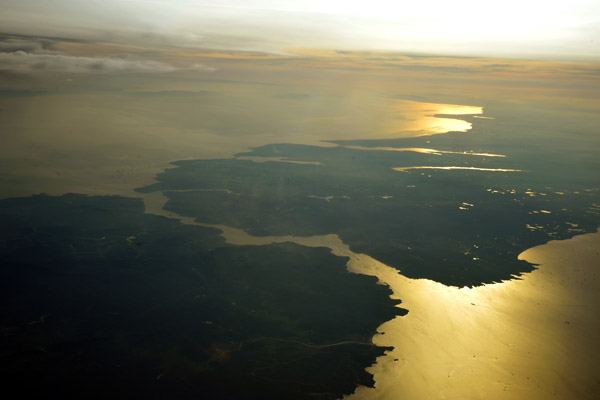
{"points": [[535, 337]]}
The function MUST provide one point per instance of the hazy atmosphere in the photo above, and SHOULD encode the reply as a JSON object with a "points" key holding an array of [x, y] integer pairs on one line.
{"points": [[276, 199]]}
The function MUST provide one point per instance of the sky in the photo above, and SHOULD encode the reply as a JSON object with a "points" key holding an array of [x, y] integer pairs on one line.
{"points": [[565, 30]]}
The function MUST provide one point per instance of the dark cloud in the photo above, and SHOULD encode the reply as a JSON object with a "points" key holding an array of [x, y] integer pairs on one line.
{"points": [[292, 96], [22, 93], [13, 44], [178, 93], [440, 68], [22, 61], [28, 54]]}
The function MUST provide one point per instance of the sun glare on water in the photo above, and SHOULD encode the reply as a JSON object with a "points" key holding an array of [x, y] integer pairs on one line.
{"points": [[428, 118]]}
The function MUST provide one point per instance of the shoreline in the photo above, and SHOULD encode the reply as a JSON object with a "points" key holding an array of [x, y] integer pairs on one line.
{"points": [[504, 340], [515, 339]]}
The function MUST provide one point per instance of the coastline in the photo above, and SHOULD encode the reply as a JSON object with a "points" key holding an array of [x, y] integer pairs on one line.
{"points": [[534, 337], [530, 337]]}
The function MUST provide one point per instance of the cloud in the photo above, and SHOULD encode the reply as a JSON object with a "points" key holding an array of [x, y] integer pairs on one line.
{"points": [[31, 54], [440, 68], [292, 96], [555, 29], [22, 93], [16, 43], [22, 61], [177, 93]]}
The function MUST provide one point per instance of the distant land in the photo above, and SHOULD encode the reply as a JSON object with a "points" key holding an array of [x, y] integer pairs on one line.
{"points": [[457, 227]]}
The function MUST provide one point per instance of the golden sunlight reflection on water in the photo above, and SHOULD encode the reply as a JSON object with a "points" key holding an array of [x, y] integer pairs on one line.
{"points": [[535, 338], [532, 338], [415, 116], [425, 151], [450, 168]]}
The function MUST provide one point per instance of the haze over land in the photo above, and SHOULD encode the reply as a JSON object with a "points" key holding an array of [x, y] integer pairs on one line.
{"points": [[212, 172]]}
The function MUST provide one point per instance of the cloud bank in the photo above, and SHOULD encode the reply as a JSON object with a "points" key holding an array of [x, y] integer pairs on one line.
{"points": [[21, 61], [534, 28]]}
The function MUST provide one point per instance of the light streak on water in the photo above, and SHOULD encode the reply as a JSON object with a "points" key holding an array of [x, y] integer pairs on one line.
{"points": [[425, 151], [404, 169]]}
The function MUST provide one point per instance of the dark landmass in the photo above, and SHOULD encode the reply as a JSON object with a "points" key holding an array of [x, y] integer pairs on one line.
{"points": [[100, 300], [456, 227]]}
